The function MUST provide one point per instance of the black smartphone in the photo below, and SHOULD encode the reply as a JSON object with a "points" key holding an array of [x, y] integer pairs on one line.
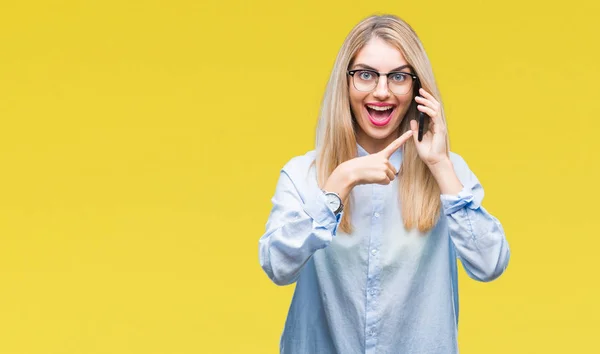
{"points": [[421, 116]]}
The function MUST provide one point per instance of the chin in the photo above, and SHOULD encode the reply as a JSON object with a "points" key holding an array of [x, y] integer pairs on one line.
{"points": [[380, 133]]}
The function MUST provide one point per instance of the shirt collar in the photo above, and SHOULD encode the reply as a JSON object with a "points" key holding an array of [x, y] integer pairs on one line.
{"points": [[395, 159]]}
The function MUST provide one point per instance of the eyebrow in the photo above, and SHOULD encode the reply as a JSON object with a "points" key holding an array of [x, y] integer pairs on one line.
{"points": [[365, 66]]}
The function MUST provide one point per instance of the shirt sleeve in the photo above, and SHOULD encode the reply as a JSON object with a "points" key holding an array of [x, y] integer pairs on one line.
{"points": [[478, 236], [299, 224]]}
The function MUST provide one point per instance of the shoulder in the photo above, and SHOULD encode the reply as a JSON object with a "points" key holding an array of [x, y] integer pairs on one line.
{"points": [[457, 160], [300, 165], [300, 172], [466, 176], [461, 167]]}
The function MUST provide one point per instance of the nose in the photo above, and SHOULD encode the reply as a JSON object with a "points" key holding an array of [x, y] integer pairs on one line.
{"points": [[382, 91]]}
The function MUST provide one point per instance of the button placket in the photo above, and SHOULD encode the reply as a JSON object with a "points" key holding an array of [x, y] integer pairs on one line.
{"points": [[374, 269]]}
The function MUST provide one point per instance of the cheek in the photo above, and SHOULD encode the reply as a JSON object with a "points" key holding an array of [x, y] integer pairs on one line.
{"points": [[356, 101], [405, 100], [404, 104]]}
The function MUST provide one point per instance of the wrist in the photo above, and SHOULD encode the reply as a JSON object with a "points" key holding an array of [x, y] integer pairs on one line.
{"points": [[445, 176], [442, 166], [346, 175], [340, 181]]}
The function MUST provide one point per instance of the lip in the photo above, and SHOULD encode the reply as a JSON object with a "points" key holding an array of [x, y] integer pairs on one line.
{"points": [[380, 123]]}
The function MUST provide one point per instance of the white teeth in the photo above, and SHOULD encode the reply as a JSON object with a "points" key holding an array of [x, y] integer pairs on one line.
{"points": [[378, 108]]}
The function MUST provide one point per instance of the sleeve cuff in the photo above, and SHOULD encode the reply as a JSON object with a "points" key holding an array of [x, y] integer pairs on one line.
{"points": [[465, 198], [316, 207]]}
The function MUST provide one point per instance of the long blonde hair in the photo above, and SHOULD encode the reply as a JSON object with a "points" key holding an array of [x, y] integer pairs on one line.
{"points": [[419, 193]]}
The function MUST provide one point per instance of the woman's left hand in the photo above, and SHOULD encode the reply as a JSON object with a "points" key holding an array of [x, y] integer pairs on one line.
{"points": [[432, 149]]}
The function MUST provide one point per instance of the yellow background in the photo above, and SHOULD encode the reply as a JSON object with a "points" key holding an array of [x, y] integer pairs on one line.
{"points": [[140, 144]]}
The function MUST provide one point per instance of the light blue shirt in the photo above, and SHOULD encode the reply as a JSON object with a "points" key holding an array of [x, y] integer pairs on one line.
{"points": [[381, 289]]}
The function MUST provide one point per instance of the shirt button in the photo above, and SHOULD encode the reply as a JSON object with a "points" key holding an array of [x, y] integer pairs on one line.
{"points": [[373, 251], [373, 291], [376, 215]]}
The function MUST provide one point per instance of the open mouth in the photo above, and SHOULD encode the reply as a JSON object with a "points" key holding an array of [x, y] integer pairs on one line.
{"points": [[380, 115]]}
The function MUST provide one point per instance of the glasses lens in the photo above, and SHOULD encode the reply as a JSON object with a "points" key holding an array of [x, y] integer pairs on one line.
{"points": [[400, 83], [364, 80]]}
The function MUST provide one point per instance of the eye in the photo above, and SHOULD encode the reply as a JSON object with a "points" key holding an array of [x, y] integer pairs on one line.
{"points": [[365, 75], [398, 77]]}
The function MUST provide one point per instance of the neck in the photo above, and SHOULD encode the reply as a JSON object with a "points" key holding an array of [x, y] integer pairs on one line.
{"points": [[372, 145]]}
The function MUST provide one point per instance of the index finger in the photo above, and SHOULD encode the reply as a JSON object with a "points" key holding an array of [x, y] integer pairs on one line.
{"points": [[428, 96], [396, 144]]}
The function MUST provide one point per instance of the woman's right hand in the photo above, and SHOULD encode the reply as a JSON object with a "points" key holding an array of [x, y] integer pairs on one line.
{"points": [[376, 168]]}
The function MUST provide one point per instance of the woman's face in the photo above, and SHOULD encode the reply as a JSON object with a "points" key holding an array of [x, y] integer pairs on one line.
{"points": [[380, 111]]}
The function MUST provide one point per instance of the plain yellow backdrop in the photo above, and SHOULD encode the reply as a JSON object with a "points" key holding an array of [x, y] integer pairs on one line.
{"points": [[140, 144]]}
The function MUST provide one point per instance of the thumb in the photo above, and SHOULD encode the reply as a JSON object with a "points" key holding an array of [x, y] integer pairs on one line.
{"points": [[396, 144]]}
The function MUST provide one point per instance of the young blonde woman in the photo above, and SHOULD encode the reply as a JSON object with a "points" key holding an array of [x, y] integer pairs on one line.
{"points": [[369, 224]]}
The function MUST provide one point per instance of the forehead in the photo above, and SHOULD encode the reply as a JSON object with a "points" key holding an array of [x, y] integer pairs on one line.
{"points": [[379, 54]]}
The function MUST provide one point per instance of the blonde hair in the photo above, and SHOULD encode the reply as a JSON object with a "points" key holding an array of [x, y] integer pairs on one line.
{"points": [[419, 193]]}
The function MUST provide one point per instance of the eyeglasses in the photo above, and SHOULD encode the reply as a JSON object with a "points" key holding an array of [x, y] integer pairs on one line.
{"points": [[398, 82]]}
